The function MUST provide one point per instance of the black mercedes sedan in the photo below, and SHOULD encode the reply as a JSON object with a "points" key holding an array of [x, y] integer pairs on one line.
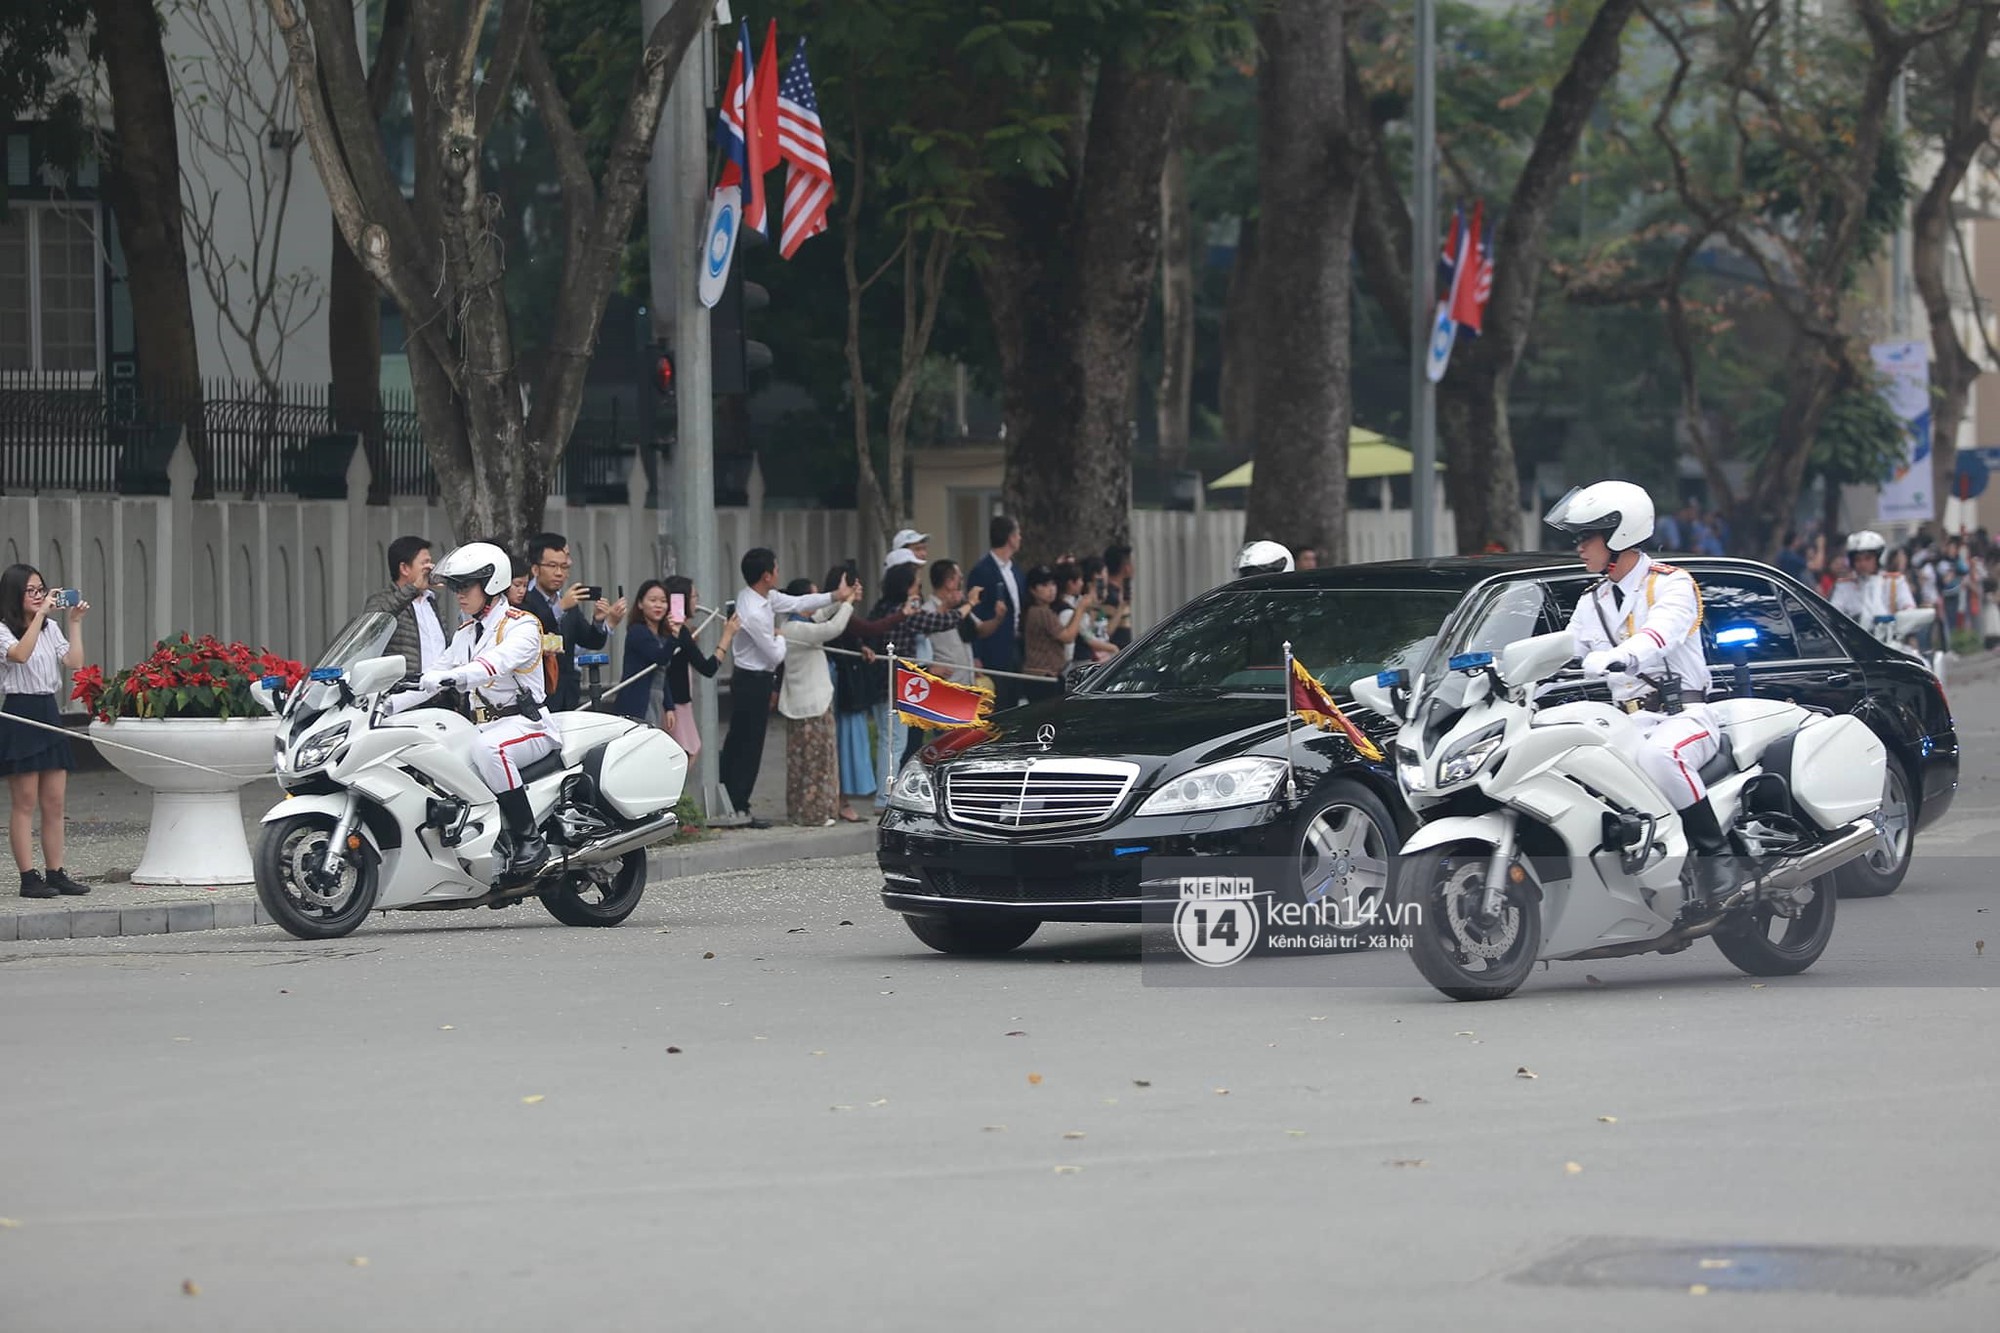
{"points": [[1180, 747]]}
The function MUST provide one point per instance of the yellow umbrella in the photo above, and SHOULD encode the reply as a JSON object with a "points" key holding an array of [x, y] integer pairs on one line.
{"points": [[1368, 455]]}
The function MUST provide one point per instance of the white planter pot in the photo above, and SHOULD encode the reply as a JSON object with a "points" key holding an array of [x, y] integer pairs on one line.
{"points": [[197, 830]]}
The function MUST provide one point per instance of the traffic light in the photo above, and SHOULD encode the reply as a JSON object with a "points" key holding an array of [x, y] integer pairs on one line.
{"points": [[663, 372], [737, 355]]}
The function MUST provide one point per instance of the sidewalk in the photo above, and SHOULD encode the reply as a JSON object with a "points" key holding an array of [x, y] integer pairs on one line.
{"points": [[109, 819]]}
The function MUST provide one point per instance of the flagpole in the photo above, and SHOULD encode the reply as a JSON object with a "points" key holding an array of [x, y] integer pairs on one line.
{"points": [[1291, 774], [889, 729]]}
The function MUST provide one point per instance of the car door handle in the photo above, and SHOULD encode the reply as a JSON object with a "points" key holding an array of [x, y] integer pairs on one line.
{"points": [[1838, 678]]}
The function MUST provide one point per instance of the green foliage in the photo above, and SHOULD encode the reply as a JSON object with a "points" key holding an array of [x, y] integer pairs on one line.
{"points": [[35, 38]]}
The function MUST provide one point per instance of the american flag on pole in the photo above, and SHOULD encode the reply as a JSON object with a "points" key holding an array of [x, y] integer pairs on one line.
{"points": [[802, 144]]}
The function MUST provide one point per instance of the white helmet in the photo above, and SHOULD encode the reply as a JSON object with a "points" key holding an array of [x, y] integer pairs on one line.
{"points": [[1263, 558], [476, 563], [1618, 509], [1865, 543]]}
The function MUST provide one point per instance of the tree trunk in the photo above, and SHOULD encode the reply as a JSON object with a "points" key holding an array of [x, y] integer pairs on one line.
{"points": [[1935, 246], [1478, 452], [1759, 520], [1305, 195], [1067, 281], [1240, 345], [1176, 297], [142, 180]]}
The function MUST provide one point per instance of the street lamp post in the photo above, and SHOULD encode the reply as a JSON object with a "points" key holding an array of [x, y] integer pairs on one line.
{"points": [[1423, 283]]}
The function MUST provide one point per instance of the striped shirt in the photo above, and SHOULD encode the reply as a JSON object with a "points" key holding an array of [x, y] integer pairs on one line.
{"points": [[43, 672]]}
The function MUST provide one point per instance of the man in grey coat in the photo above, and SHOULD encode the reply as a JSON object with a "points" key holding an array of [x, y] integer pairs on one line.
{"points": [[421, 633]]}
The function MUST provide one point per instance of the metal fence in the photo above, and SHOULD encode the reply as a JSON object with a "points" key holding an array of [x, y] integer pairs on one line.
{"points": [[83, 433]]}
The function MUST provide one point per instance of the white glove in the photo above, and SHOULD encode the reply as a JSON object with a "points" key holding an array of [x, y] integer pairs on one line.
{"points": [[1597, 664], [437, 678]]}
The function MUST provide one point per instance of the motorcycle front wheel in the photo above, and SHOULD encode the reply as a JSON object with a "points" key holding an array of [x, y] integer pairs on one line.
{"points": [[298, 893], [1456, 953]]}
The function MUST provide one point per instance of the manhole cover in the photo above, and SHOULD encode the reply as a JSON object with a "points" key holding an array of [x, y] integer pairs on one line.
{"points": [[1837, 1270]]}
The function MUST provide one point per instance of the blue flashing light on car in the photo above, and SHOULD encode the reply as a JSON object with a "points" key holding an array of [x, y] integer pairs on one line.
{"points": [[1736, 636]]}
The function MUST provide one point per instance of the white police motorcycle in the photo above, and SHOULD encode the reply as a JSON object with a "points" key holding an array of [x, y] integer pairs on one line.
{"points": [[1544, 841], [385, 812]]}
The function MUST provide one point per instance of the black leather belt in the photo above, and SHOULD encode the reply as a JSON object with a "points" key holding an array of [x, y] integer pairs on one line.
{"points": [[483, 714]]}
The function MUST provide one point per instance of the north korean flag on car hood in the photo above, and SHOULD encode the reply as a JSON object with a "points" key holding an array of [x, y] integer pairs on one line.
{"points": [[930, 701]]}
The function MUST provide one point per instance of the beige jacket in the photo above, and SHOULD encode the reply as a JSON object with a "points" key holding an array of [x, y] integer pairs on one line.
{"points": [[808, 688]]}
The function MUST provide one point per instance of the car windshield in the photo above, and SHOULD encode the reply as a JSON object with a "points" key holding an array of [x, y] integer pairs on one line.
{"points": [[1233, 642], [1506, 615]]}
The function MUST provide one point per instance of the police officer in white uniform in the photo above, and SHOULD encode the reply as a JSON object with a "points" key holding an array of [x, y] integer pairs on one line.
{"points": [[495, 660], [1868, 592], [1263, 558], [1645, 619]]}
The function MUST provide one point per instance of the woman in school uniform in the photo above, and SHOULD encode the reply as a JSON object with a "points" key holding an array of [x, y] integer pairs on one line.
{"points": [[36, 660]]}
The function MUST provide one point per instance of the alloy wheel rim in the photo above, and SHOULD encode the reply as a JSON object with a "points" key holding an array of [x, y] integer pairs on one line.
{"points": [[1344, 860]]}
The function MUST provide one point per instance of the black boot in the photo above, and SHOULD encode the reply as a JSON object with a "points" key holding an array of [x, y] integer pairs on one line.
{"points": [[1711, 864], [529, 850]]}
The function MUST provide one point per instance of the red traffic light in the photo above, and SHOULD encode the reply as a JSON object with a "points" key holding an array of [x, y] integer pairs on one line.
{"points": [[663, 374]]}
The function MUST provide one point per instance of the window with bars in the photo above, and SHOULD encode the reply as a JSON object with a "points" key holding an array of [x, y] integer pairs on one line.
{"points": [[50, 288]]}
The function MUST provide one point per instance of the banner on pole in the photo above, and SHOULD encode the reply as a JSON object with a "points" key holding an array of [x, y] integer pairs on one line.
{"points": [[1906, 495], [724, 210]]}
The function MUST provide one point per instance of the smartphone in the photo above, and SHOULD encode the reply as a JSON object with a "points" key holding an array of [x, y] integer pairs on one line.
{"points": [[593, 593], [677, 607], [729, 608], [64, 598]]}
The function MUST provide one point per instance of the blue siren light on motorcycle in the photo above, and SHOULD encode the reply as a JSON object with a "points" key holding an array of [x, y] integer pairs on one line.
{"points": [[326, 673], [1736, 636], [1393, 680], [1469, 661], [271, 682]]}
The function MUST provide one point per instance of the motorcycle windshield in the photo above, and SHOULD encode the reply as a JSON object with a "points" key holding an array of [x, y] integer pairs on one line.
{"points": [[361, 638], [1512, 614]]}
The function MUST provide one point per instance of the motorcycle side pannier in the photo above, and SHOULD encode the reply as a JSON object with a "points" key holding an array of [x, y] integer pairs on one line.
{"points": [[640, 773], [1835, 768]]}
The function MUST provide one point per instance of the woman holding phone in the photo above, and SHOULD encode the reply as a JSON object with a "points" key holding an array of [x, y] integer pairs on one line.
{"points": [[649, 642], [37, 662], [679, 596]]}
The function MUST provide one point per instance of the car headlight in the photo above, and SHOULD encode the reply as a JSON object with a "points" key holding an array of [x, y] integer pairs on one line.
{"points": [[1410, 770], [1246, 781], [914, 789], [1467, 757], [318, 748]]}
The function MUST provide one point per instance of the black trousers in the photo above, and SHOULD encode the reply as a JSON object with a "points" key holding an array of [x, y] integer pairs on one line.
{"points": [[743, 747]]}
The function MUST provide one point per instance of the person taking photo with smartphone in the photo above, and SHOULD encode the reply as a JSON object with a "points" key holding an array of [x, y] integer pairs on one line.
{"points": [[36, 659], [566, 626]]}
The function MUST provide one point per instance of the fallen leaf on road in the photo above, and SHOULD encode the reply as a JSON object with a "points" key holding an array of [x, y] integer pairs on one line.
{"points": [[445, 1028], [797, 930], [847, 923], [1574, 1168], [1420, 1101], [1319, 1018], [1034, 1079], [673, 1050], [1408, 1161], [1296, 1133], [885, 992], [1072, 1133], [819, 1052], [1466, 1033], [1017, 1033], [1111, 1101], [1698, 1289], [1718, 1263], [1979, 947], [993, 1129], [530, 1101], [1595, 981], [1068, 1170], [359, 1261], [760, 1039], [283, 992], [1756, 985], [1525, 1072], [1142, 1083], [189, 1287], [1607, 1120], [880, 1101], [1222, 1092], [709, 954], [9, 1223], [183, 1038]]}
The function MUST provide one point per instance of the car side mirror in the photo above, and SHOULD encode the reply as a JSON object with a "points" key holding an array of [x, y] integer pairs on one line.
{"points": [[1078, 674]]}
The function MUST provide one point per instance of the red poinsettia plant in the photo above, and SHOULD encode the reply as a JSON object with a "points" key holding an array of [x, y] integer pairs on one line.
{"points": [[185, 677]]}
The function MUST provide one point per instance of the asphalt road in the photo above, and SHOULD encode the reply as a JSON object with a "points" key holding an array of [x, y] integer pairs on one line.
{"points": [[490, 1121]]}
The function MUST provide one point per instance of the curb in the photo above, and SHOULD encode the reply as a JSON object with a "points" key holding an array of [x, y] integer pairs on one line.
{"points": [[80, 923]]}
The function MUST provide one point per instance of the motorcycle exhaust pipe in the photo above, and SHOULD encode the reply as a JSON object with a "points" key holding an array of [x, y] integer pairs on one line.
{"points": [[614, 845]]}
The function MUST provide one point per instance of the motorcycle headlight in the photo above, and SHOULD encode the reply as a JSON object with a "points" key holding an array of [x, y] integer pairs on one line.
{"points": [[914, 789], [1246, 781], [1466, 758], [316, 749]]}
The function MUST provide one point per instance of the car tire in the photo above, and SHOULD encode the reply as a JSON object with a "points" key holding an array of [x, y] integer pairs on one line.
{"points": [[1346, 831], [1877, 875], [976, 934]]}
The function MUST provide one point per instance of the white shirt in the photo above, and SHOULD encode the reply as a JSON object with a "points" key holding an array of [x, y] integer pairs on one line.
{"points": [[1659, 628], [43, 672], [1013, 590], [757, 646], [498, 656], [430, 632], [1877, 595]]}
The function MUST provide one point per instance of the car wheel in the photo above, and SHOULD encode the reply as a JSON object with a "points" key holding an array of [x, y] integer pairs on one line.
{"points": [[975, 933], [1878, 874], [1346, 842]]}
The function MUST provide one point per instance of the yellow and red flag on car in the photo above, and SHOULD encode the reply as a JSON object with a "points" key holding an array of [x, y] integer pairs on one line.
{"points": [[1313, 702], [934, 703]]}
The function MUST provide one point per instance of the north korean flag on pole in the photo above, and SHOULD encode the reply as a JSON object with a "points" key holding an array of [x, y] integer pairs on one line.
{"points": [[932, 702], [739, 133], [1461, 258]]}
